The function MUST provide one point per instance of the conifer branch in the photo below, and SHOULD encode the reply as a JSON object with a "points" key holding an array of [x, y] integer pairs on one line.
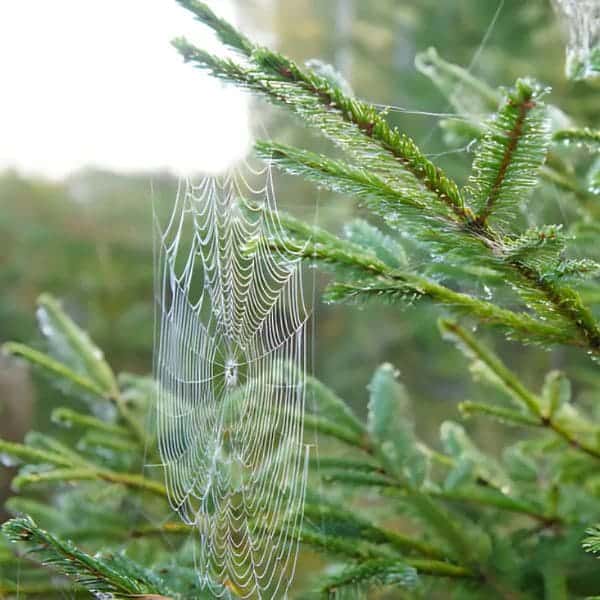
{"points": [[67, 333], [229, 35], [591, 543], [474, 100], [410, 286], [515, 389], [331, 429], [470, 240], [332, 407], [476, 495], [83, 364], [90, 474], [469, 408], [328, 516], [585, 137], [506, 165], [72, 467], [116, 575], [400, 207], [33, 455], [52, 366], [314, 243], [69, 418], [323, 463], [480, 495], [470, 96], [373, 572], [365, 552], [476, 351]]}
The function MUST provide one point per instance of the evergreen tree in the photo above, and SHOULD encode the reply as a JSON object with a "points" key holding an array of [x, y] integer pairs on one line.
{"points": [[459, 522]]}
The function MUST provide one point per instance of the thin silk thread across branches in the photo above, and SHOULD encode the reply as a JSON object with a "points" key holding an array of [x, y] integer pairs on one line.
{"points": [[230, 361]]}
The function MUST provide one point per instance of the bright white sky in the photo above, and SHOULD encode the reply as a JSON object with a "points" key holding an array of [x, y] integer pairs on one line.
{"points": [[97, 83]]}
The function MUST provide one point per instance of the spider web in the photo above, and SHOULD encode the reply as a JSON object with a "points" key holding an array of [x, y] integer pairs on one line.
{"points": [[230, 360], [582, 18]]}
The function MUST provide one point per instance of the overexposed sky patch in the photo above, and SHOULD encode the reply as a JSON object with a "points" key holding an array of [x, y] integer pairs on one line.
{"points": [[97, 83]]}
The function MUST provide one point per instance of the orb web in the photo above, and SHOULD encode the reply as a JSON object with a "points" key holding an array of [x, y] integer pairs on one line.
{"points": [[230, 361], [582, 19]]}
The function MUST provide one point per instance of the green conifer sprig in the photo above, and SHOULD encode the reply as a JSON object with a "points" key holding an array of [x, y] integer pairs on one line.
{"points": [[115, 575], [374, 279], [372, 573], [229, 35], [592, 542], [440, 229], [546, 411], [580, 138], [506, 166]]}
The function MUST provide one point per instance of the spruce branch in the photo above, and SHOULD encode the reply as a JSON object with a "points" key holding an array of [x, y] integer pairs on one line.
{"points": [[481, 496], [591, 542], [343, 547], [507, 416], [477, 352], [67, 417], [229, 35], [75, 345], [53, 367], [580, 138], [433, 224], [80, 362], [33, 455], [489, 497], [332, 429], [469, 96], [373, 572], [373, 240], [409, 286], [385, 282], [347, 524], [511, 153], [116, 575], [359, 477], [538, 412], [323, 463], [474, 101], [91, 474], [365, 552], [72, 467], [388, 419], [522, 256], [332, 407]]}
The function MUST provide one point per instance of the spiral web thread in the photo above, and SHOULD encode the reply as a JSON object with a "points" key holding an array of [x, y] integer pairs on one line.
{"points": [[230, 361]]}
